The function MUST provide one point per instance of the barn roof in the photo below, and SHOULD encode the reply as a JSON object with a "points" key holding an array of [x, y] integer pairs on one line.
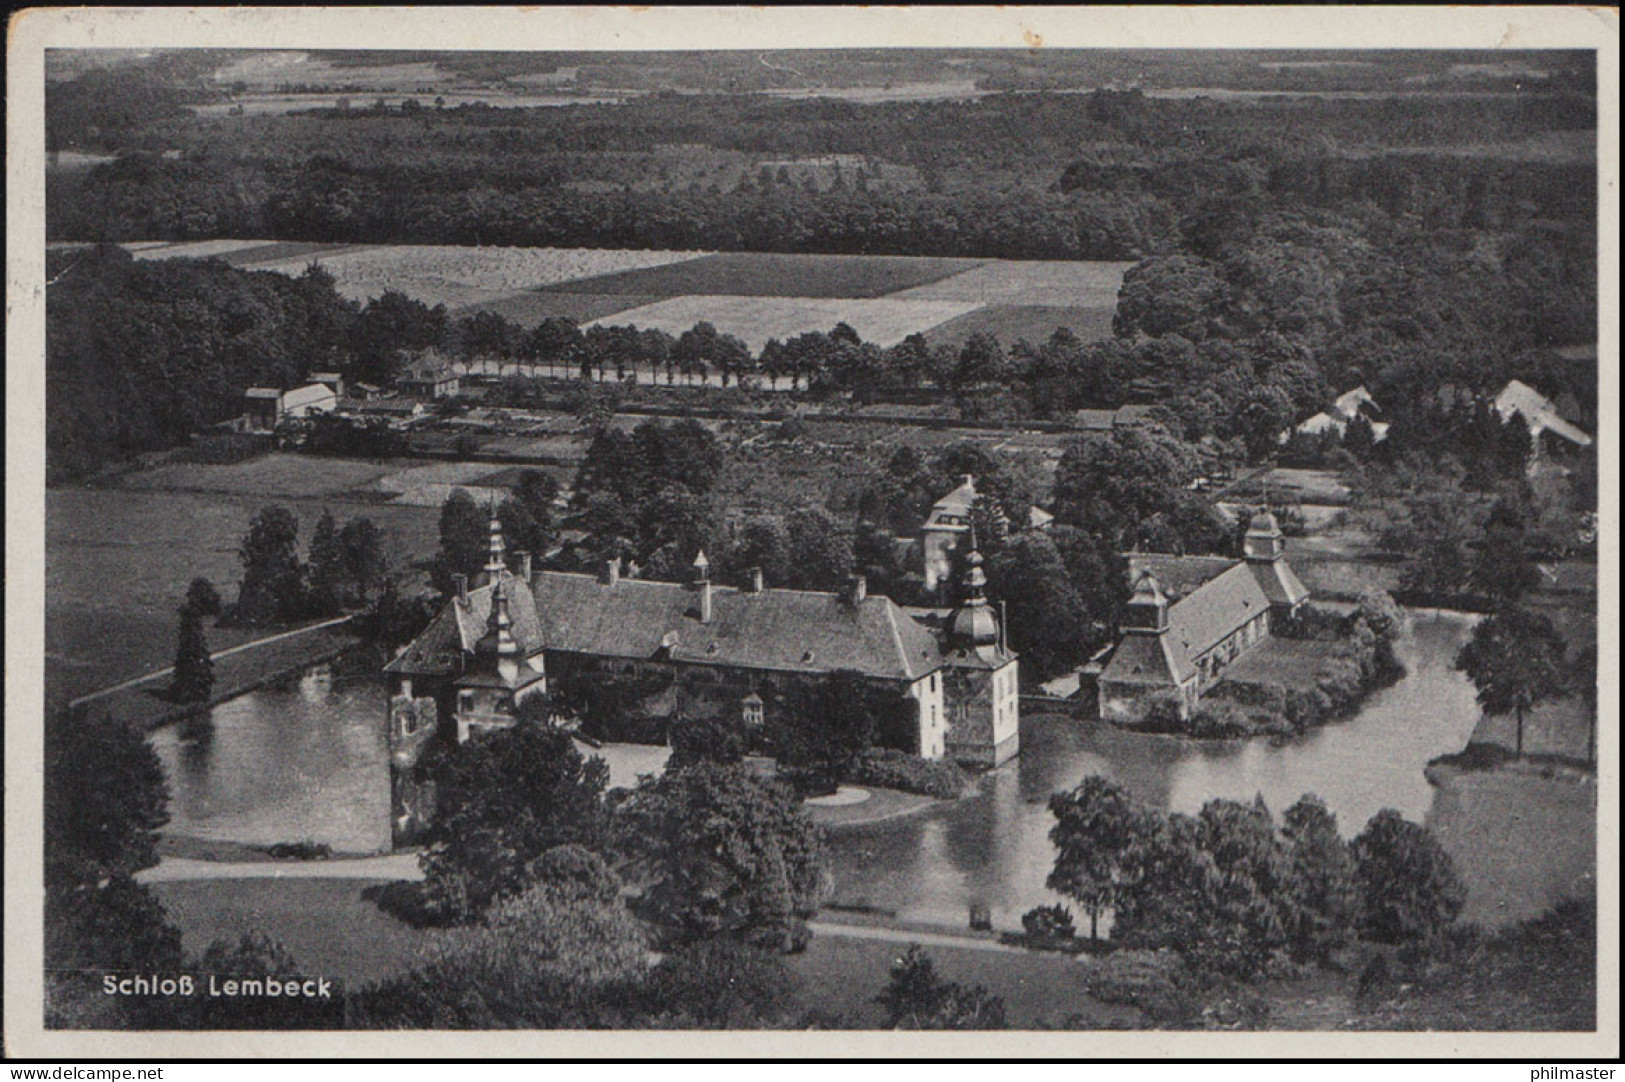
{"points": [[308, 394], [1538, 412], [1199, 621]]}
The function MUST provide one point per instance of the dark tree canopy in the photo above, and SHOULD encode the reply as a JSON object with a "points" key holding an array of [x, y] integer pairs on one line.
{"points": [[502, 800], [721, 851]]}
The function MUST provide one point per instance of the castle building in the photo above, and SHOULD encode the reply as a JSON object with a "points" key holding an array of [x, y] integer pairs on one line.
{"points": [[699, 649], [1189, 617], [981, 679]]}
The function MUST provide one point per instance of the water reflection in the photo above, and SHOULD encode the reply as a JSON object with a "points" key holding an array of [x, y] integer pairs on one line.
{"points": [[303, 761], [994, 848], [307, 761]]}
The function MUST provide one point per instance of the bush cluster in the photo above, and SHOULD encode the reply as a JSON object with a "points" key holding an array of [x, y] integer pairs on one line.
{"points": [[887, 768]]}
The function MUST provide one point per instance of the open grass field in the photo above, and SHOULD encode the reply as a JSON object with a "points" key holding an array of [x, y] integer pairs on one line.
{"points": [[285, 475], [1012, 323], [326, 924], [760, 274], [459, 276], [1521, 842], [754, 295], [118, 562], [285, 250], [528, 309], [759, 318], [429, 486], [1058, 283]]}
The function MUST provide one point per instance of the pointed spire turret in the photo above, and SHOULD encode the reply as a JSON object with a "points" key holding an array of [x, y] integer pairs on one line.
{"points": [[1147, 607], [973, 623], [496, 562], [1264, 541]]}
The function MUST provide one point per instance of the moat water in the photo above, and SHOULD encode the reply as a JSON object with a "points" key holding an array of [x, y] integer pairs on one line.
{"points": [[306, 761]]}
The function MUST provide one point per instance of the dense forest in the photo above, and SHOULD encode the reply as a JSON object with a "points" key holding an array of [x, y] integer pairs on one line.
{"points": [[1288, 248]]}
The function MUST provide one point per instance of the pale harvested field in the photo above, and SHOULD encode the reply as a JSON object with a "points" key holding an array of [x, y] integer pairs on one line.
{"points": [[428, 486], [883, 321], [778, 274], [198, 249], [1053, 283], [458, 276]]}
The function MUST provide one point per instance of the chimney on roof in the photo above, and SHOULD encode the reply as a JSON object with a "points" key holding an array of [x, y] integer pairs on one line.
{"points": [[524, 566], [612, 571], [860, 589], [755, 580], [702, 584], [967, 480], [460, 581]]}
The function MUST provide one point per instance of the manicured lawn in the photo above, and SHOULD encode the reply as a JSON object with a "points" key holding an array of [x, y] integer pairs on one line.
{"points": [[761, 274], [1012, 323]]}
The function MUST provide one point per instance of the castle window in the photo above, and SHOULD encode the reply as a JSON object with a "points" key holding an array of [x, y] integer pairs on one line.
{"points": [[750, 709], [465, 702]]}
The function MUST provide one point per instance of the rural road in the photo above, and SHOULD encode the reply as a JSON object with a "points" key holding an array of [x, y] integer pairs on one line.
{"points": [[216, 656], [392, 866], [405, 866]]}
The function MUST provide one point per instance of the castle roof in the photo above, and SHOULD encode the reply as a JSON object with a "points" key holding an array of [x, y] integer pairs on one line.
{"points": [[779, 630], [1210, 597], [1178, 575], [1148, 659], [1202, 619], [456, 631]]}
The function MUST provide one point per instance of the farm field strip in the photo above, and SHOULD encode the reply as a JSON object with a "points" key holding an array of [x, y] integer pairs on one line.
{"points": [[771, 274], [529, 308], [459, 276], [1057, 283], [277, 251], [1011, 323], [757, 318], [197, 249]]}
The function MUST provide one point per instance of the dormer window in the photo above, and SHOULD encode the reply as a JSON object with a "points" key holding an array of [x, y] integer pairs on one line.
{"points": [[806, 659]]}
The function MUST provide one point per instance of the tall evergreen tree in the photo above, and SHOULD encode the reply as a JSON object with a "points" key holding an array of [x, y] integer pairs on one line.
{"points": [[329, 575], [194, 671], [273, 587], [465, 531], [364, 560]]}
